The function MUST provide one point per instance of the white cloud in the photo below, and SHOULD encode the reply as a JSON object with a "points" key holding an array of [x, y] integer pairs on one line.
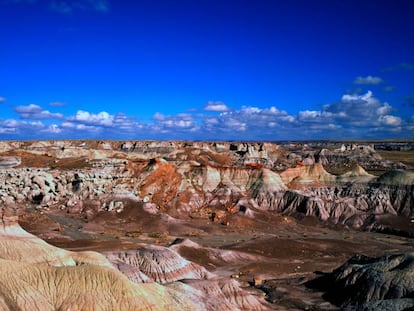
{"points": [[179, 121], [309, 115], [125, 123], [103, 118], [390, 120], [368, 80], [211, 121], [158, 116], [2, 99], [10, 123], [80, 127], [274, 111], [288, 119], [216, 106], [358, 110], [245, 109], [383, 109], [353, 115], [7, 130], [53, 128], [33, 111], [237, 125], [20, 129]]}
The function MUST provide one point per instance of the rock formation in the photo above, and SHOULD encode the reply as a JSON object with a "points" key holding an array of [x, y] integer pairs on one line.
{"points": [[367, 283], [160, 264], [179, 178], [37, 276], [153, 192]]}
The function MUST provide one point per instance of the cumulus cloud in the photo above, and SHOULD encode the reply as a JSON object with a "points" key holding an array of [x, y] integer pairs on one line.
{"points": [[80, 127], [33, 111], [53, 129], [252, 110], [248, 123], [309, 115], [216, 106], [358, 110], [390, 120], [353, 115], [20, 129], [126, 124], [2, 99], [180, 122], [368, 80], [102, 118]]}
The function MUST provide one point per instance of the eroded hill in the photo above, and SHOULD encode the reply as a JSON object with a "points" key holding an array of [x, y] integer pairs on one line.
{"points": [[231, 204]]}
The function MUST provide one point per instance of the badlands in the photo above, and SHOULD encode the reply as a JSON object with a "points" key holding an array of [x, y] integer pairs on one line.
{"points": [[175, 225]]}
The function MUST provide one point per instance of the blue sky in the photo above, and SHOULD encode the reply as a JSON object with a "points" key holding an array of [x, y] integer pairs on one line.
{"points": [[206, 69]]}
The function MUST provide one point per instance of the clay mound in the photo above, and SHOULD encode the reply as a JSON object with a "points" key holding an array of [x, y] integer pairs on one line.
{"points": [[309, 174], [41, 287], [228, 295], [370, 281], [211, 256], [397, 177], [272, 180], [19, 245], [16, 244], [37, 276], [267, 181], [131, 272], [318, 172], [358, 173], [160, 264]]}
